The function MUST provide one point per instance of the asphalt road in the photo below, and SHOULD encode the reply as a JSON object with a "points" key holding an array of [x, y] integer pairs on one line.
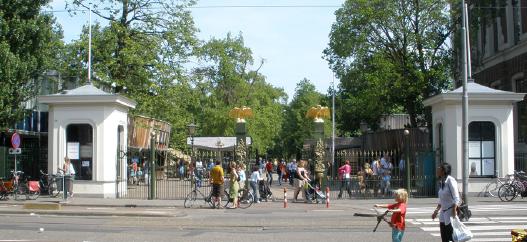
{"points": [[492, 221]]}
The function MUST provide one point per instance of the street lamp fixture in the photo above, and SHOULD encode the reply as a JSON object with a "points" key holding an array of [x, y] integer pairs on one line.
{"points": [[191, 131]]}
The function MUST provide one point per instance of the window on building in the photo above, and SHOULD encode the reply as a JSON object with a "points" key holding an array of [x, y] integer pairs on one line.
{"points": [[481, 152], [524, 15], [521, 87], [79, 148], [503, 23]]}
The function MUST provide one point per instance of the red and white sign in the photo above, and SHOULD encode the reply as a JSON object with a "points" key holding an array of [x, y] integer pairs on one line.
{"points": [[15, 140]]}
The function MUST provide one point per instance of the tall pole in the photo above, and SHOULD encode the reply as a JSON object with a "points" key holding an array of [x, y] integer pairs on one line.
{"points": [[465, 102], [333, 125], [152, 189], [467, 32], [89, 47]]}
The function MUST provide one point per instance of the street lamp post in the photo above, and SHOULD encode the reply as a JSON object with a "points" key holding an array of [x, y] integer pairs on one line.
{"points": [[407, 159], [191, 131]]}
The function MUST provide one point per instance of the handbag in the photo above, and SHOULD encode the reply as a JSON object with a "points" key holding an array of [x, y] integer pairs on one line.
{"points": [[460, 232]]}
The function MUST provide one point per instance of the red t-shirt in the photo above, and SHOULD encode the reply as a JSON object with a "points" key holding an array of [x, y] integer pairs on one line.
{"points": [[269, 166], [398, 217]]}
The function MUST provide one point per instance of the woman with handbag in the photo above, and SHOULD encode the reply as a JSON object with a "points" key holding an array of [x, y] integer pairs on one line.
{"points": [[449, 200]]}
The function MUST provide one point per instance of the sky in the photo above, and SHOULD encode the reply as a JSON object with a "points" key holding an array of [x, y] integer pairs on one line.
{"points": [[289, 35]]}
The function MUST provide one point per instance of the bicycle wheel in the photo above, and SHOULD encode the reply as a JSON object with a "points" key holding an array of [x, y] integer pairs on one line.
{"points": [[247, 200], [20, 192], [507, 193], [53, 190], [194, 200], [225, 198], [493, 188]]}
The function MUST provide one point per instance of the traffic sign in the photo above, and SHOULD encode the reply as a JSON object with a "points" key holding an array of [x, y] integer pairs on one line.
{"points": [[15, 140], [15, 151]]}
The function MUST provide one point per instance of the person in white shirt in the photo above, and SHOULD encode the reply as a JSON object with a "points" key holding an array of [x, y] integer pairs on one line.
{"points": [[69, 170], [449, 200], [255, 177]]}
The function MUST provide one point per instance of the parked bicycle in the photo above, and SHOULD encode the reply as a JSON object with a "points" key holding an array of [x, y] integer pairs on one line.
{"points": [[492, 188], [196, 199], [245, 198], [517, 187], [48, 184]]}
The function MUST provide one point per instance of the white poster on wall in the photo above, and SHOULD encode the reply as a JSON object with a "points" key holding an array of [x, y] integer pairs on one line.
{"points": [[73, 150]]}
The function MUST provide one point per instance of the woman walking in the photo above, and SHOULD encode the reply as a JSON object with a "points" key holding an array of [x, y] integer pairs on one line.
{"points": [[255, 178], [233, 191], [300, 178], [449, 200]]}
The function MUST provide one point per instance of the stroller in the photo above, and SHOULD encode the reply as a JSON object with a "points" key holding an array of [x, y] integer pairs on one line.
{"points": [[313, 193], [265, 191]]}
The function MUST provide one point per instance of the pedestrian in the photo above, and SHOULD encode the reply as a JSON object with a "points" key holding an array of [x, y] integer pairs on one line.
{"points": [[345, 177], [386, 174], [292, 173], [280, 170], [181, 169], [255, 178], [68, 170], [449, 200], [233, 191], [216, 179], [199, 172], [301, 177], [146, 170], [398, 211], [269, 172], [241, 174]]}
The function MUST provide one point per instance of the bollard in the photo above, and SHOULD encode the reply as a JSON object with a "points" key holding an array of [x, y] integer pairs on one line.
{"points": [[327, 197], [285, 197]]}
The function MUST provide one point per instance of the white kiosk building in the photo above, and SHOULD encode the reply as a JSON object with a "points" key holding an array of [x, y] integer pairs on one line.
{"points": [[89, 126], [491, 132]]}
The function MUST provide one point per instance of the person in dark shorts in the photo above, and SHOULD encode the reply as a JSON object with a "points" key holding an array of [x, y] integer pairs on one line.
{"points": [[216, 179]]}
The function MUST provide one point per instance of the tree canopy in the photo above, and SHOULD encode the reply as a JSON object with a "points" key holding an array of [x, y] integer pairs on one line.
{"points": [[389, 55], [27, 40]]}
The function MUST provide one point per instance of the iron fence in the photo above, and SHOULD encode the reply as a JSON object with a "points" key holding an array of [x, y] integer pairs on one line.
{"points": [[376, 187]]}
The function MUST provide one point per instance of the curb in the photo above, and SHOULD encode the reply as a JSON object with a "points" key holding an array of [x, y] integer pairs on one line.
{"points": [[90, 213]]}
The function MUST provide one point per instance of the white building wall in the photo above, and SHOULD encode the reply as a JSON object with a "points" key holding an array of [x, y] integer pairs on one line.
{"points": [[451, 118], [105, 121]]}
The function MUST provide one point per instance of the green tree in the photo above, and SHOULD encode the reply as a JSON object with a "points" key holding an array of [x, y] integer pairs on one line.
{"points": [[225, 80], [296, 127], [389, 55], [144, 47], [27, 40]]}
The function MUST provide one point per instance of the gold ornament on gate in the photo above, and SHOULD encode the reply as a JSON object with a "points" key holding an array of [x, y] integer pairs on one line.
{"points": [[240, 114], [318, 113]]}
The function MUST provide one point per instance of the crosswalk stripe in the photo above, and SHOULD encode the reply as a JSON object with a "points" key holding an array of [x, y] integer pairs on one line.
{"points": [[507, 218], [476, 228], [495, 233], [491, 239]]}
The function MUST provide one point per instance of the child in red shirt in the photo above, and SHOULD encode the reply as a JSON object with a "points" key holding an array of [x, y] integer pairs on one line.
{"points": [[398, 214]]}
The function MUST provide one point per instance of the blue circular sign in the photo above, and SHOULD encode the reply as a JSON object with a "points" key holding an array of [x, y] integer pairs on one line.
{"points": [[15, 140]]}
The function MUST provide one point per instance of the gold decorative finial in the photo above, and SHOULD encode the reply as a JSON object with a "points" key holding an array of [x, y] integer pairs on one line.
{"points": [[241, 113], [318, 113]]}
